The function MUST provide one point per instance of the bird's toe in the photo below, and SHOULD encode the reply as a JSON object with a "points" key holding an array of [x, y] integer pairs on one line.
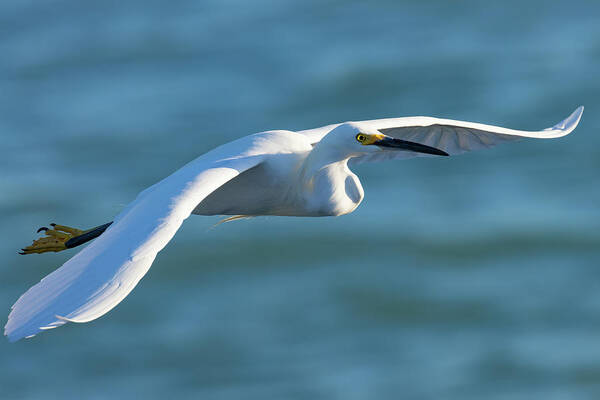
{"points": [[54, 240]]}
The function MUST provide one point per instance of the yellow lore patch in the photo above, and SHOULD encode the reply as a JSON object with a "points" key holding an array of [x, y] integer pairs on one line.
{"points": [[366, 139]]}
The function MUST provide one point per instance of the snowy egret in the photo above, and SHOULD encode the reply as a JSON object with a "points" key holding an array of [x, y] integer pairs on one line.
{"points": [[304, 173]]}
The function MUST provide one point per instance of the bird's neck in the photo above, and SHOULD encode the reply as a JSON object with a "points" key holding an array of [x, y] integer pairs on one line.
{"points": [[329, 187]]}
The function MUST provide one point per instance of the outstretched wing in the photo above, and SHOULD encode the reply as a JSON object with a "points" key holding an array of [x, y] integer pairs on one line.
{"points": [[97, 278], [453, 137]]}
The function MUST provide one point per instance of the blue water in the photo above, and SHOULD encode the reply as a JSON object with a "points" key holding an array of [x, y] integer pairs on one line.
{"points": [[470, 278]]}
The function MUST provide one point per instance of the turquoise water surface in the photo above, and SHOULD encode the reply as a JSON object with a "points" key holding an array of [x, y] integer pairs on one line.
{"points": [[476, 277]]}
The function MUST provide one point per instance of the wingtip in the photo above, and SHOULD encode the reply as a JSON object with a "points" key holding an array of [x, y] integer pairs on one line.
{"points": [[572, 120], [14, 335], [11, 337], [577, 114], [567, 125]]}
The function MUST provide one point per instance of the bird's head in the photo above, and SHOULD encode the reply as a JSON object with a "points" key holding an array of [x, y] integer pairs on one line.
{"points": [[351, 139]]}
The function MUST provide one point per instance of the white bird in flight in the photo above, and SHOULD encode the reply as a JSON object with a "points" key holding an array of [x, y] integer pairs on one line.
{"points": [[285, 173]]}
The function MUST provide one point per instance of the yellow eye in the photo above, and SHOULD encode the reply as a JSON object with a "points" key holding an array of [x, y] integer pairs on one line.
{"points": [[361, 137]]}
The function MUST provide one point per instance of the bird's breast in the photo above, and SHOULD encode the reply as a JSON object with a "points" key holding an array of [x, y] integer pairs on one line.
{"points": [[334, 191]]}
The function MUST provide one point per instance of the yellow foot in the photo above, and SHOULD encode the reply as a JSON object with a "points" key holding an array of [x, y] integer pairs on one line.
{"points": [[54, 240]]}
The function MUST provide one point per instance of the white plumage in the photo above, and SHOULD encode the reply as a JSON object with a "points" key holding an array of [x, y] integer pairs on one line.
{"points": [[271, 173]]}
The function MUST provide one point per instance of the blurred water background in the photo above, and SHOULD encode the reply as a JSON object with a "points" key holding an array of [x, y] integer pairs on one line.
{"points": [[471, 278]]}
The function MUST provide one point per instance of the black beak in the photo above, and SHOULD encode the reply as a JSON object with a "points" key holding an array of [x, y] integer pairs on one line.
{"points": [[410, 146]]}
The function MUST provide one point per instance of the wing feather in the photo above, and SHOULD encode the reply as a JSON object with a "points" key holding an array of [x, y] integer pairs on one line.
{"points": [[101, 275], [454, 137]]}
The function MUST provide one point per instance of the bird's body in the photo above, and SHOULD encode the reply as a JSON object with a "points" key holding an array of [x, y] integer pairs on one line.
{"points": [[294, 179], [284, 173]]}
